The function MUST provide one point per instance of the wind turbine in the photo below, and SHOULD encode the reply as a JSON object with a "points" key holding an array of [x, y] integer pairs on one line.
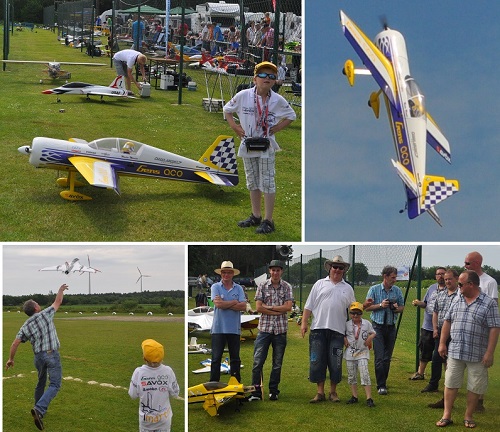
{"points": [[141, 276]]}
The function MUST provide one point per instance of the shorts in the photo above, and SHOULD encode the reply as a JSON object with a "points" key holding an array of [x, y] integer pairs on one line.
{"points": [[477, 375], [326, 349], [352, 372], [260, 173], [426, 345], [121, 68]]}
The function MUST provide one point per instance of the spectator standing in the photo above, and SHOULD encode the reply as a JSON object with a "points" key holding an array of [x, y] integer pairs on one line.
{"points": [[273, 298], [328, 303], [388, 303], [473, 324], [229, 301]]}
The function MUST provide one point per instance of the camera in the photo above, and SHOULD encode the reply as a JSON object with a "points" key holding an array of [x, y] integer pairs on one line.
{"points": [[392, 307]]}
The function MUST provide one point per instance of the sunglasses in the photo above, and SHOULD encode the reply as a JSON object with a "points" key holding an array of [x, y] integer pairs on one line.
{"points": [[265, 75], [467, 263], [337, 267], [460, 285], [356, 313]]}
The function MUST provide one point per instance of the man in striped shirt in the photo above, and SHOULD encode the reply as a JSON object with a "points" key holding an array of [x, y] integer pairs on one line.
{"points": [[40, 330]]}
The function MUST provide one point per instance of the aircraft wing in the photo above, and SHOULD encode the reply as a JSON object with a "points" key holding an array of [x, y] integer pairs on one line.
{"points": [[200, 322], [379, 66], [437, 140], [47, 62], [249, 319], [213, 178], [85, 269], [61, 268], [97, 172]]}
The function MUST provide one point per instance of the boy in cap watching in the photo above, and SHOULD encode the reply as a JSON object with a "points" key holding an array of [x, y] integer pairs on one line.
{"points": [[262, 113], [154, 383], [273, 298], [358, 339]]}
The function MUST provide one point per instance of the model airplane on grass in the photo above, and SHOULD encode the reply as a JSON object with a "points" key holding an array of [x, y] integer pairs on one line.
{"points": [[225, 367], [195, 348], [72, 267], [203, 321], [213, 395], [386, 60], [115, 89], [101, 162], [54, 70]]}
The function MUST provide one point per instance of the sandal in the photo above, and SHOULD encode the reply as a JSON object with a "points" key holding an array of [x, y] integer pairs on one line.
{"points": [[320, 397], [250, 221], [417, 377], [444, 422], [333, 397], [471, 424], [265, 227]]}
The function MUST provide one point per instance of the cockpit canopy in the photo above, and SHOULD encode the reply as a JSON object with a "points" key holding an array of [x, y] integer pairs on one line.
{"points": [[415, 97], [119, 145]]}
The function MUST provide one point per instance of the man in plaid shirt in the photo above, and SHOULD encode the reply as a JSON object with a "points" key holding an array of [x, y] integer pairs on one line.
{"points": [[473, 323], [274, 298], [40, 330]]}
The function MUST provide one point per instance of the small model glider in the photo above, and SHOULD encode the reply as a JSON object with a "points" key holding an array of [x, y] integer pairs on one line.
{"points": [[386, 60], [213, 395], [115, 89], [195, 348], [54, 70], [72, 267], [101, 162]]}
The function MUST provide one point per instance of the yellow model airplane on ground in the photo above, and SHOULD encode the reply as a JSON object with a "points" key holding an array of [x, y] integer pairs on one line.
{"points": [[215, 394]]}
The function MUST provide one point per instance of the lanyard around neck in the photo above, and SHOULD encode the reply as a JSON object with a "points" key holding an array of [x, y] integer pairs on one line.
{"points": [[261, 117]]}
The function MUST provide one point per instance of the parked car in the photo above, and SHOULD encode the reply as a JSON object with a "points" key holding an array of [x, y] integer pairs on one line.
{"points": [[245, 281]]}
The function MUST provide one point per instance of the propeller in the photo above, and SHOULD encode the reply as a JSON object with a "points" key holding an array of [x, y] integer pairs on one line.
{"points": [[383, 21]]}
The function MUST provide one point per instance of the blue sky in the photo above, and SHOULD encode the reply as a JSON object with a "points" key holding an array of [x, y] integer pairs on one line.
{"points": [[165, 264], [352, 191]]}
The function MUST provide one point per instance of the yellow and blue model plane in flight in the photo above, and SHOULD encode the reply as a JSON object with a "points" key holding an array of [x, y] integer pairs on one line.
{"points": [[386, 59]]}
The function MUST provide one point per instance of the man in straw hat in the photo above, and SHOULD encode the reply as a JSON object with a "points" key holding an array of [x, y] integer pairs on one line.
{"points": [[262, 113], [154, 383], [328, 302], [274, 298], [229, 301]]}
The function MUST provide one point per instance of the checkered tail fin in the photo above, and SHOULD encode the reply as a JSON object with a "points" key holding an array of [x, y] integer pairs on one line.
{"points": [[436, 189], [221, 157]]}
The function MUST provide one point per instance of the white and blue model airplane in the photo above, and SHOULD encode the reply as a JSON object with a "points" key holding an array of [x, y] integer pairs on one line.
{"points": [[386, 59]]}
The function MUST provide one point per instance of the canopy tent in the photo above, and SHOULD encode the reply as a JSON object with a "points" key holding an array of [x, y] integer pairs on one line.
{"points": [[178, 11], [146, 10]]}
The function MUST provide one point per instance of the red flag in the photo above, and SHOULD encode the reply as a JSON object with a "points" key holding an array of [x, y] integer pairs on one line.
{"points": [[274, 5]]}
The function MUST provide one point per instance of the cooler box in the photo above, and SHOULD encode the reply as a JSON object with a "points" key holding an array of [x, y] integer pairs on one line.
{"points": [[192, 86], [146, 90], [166, 82]]}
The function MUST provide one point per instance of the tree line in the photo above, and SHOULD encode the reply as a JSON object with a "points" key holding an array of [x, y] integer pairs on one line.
{"points": [[174, 301]]}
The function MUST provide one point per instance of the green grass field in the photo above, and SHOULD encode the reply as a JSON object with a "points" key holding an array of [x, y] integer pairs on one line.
{"points": [[105, 351], [147, 210], [404, 409]]}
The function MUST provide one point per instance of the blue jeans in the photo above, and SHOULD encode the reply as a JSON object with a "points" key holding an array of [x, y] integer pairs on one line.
{"points": [[233, 344], [383, 346], [326, 348], [260, 350], [47, 363]]}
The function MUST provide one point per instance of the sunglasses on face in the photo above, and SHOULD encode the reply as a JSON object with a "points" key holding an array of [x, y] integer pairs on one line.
{"points": [[356, 313], [265, 75], [460, 284], [337, 267]]}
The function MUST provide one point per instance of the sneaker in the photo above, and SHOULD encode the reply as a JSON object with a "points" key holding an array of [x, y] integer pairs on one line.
{"points": [[382, 391], [37, 417], [429, 389], [353, 400], [265, 227], [250, 221], [273, 396], [438, 404], [253, 398], [370, 403], [417, 377]]}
